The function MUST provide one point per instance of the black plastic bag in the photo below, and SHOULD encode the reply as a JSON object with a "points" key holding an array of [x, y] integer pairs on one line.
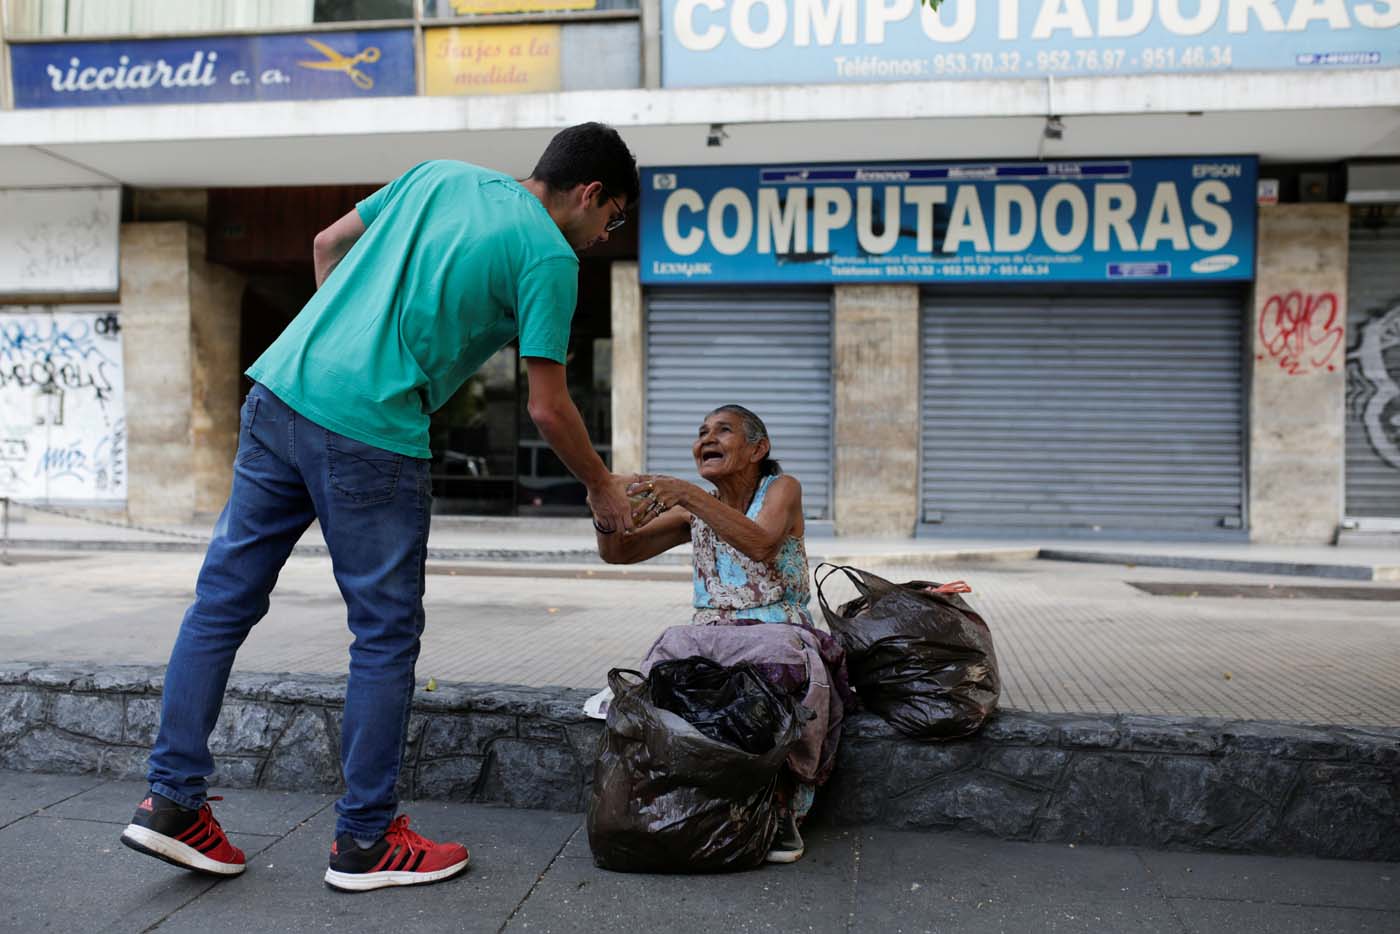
{"points": [[923, 661], [731, 705], [666, 796]]}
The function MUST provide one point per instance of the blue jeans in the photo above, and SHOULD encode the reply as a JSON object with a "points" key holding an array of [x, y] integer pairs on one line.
{"points": [[374, 508]]}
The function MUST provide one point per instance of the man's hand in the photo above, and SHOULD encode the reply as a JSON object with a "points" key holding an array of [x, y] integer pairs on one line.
{"points": [[612, 511]]}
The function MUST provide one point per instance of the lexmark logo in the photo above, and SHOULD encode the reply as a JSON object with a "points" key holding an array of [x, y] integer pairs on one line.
{"points": [[680, 269]]}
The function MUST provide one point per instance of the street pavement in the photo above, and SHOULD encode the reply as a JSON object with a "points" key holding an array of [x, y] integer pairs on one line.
{"points": [[63, 869], [1070, 637]]}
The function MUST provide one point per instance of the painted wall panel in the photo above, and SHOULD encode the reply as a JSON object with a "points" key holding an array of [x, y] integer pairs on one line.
{"points": [[62, 407], [59, 240]]}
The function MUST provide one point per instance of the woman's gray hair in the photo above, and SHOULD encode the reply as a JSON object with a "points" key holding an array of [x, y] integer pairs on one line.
{"points": [[754, 432]]}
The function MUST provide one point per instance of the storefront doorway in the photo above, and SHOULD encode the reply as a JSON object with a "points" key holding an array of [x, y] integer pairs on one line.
{"points": [[487, 456]]}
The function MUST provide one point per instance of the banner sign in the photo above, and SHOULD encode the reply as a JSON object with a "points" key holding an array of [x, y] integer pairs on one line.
{"points": [[491, 59], [718, 42], [1087, 221], [295, 66]]}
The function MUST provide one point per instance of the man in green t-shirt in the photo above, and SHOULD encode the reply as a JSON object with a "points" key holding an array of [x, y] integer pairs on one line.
{"points": [[416, 288]]}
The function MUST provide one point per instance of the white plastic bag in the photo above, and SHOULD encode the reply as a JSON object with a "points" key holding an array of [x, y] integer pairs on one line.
{"points": [[597, 705]]}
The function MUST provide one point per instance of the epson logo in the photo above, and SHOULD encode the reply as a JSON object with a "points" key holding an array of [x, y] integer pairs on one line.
{"points": [[882, 175], [1217, 170]]}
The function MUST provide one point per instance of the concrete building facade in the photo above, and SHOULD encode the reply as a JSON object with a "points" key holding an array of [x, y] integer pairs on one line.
{"points": [[170, 174]]}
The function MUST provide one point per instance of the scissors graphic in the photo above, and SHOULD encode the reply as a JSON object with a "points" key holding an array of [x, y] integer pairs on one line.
{"points": [[335, 61]]}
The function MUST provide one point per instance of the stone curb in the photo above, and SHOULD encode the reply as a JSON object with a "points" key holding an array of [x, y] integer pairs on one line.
{"points": [[1166, 782], [1359, 572]]}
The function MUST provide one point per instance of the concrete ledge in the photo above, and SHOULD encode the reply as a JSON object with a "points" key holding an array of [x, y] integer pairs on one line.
{"points": [[933, 556], [1340, 571], [1132, 780]]}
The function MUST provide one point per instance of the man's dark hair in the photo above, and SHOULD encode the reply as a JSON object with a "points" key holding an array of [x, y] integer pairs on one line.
{"points": [[590, 152]]}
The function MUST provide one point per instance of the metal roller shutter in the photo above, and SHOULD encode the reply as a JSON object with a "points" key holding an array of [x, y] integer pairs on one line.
{"points": [[767, 351], [1373, 364], [1120, 413]]}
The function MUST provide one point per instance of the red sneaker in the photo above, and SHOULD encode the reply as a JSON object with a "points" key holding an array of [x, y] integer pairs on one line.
{"points": [[400, 857], [182, 837]]}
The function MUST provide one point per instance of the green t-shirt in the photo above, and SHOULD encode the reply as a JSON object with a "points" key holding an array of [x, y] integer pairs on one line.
{"points": [[455, 261]]}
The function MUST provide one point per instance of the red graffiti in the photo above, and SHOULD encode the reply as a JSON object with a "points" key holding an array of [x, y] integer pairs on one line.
{"points": [[1301, 331]]}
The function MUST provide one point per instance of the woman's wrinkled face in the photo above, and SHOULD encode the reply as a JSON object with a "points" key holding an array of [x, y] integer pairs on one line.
{"points": [[721, 447]]}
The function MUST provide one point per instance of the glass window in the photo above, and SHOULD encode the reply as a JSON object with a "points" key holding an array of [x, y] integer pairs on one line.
{"points": [[453, 9], [345, 11], [473, 440], [134, 17]]}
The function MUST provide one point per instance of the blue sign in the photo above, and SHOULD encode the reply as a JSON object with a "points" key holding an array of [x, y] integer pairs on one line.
{"points": [[716, 42], [1097, 220], [297, 66]]}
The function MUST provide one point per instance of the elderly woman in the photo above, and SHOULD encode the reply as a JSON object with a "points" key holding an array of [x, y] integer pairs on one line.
{"points": [[750, 564]]}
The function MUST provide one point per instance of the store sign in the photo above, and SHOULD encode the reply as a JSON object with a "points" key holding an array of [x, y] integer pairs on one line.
{"points": [[491, 59], [718, 42], [296, 66], [1086, 221], [62, 405]]}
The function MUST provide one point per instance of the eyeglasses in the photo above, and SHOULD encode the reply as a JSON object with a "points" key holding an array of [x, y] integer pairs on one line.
{"points": [[617, 220]]}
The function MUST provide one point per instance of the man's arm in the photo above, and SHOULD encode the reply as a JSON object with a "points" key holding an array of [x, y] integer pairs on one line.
{"points": [[555, 415], [331, 244]]}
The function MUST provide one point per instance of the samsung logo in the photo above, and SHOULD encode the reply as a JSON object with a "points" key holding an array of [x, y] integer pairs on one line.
{"points": [[1217, 263]]}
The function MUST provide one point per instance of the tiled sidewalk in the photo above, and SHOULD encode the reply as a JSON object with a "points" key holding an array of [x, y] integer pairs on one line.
{"points": [[1071, 637]]}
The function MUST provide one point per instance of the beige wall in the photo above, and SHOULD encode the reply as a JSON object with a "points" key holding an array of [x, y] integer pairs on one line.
{"points": [[216, 298], [180, 328], [628, 370], [1298, 385], [876, 338]]}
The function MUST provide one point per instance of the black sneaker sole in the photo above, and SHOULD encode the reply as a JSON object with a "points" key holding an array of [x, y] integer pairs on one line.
{"points": [[172, 851]]}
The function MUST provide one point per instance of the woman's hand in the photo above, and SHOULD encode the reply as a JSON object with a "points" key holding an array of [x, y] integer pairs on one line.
{"points": [[653, 494]]}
